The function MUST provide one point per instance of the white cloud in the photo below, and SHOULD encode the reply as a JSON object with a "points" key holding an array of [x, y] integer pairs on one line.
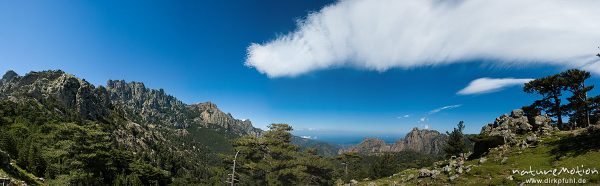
{"points": [[309, 137], [405, 116], [486, 85], [383, 34], [443, 108], [423, 119]]}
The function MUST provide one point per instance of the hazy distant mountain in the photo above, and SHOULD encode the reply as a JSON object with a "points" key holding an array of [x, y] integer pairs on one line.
{"points": [[423, 141]]}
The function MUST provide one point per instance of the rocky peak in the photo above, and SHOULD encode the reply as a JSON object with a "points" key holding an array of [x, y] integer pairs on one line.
{"points": [[146, 105], [209, 113], [133, 100], [56, 85], [423, 141], [9, 75], [207, 106]]}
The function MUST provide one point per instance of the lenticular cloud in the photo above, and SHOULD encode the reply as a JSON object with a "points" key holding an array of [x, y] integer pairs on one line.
{"points": [[486, 85], [384, 34]]}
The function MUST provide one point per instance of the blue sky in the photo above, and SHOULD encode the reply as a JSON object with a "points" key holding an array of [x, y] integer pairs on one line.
{"points": [[200, 51]]}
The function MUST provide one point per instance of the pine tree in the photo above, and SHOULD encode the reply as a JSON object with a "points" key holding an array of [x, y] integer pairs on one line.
{"points": [[579, 110], [456, 141], [550, 88], [8, 144], [37, 164], [273, 160], [351, 164]]}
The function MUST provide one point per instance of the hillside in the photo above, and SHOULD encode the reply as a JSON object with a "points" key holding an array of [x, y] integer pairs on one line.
{"points": [[64, 129], [521, 157]]}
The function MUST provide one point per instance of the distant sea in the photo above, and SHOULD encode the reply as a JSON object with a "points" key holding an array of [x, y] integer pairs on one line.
{"points": [[349, 140]]}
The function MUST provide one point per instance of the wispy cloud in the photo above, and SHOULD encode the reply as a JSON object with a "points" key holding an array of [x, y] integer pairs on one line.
{"points": [[383, 34], [487, 85], [405, 116], [309, 137], [443, 108], [434, 111]]}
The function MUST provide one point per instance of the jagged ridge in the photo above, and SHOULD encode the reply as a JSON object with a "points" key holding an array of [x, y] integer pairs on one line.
{"points": [[423, 141], [133, 100]]}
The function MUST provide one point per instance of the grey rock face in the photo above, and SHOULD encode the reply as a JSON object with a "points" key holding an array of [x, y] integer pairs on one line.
{"points": [[209, 113], [423, 141], [9, 75], [67, 90], [133, 100], [509, 126], [145, 105], [517, 113]]}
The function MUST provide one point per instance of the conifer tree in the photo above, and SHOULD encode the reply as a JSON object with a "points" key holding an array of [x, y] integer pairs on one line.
{"points": [[550, 88], [579, 111], [456, 141], [8, 144], [273, 160]]}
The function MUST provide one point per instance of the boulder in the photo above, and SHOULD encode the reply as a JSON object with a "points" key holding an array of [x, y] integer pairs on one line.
{"points": [[517, 113], [482, 160], [531, 139], [423, 173], [446, 169], [525, 127]]}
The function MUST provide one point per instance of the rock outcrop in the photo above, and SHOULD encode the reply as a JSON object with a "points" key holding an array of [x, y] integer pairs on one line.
{"points": [[56, 87], [508, 127], [208, 113], [423, 141], [132, 100], [144, 105]]}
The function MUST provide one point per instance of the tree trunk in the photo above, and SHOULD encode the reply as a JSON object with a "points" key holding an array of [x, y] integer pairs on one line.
{"points": [[558, 112], [587, 107]]}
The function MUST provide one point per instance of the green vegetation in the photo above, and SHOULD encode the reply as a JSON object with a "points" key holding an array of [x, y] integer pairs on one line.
{"points": [[353, 166], [564, 149], [53, 142], [582, 110], [495, 162], [271, 159], [456, 141]]}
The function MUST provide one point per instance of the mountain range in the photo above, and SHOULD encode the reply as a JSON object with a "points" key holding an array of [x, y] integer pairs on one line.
{"points": [[159, 129], [423, 141]]}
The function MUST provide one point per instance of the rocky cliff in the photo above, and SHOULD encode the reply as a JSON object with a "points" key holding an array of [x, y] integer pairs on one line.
{"points": [[56, 87], [208, 113], [132, 100], [145, 105], [423, 141]]}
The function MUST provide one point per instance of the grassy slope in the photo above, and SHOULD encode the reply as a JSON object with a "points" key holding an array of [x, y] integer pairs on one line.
{"points": [[560, 150]]}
